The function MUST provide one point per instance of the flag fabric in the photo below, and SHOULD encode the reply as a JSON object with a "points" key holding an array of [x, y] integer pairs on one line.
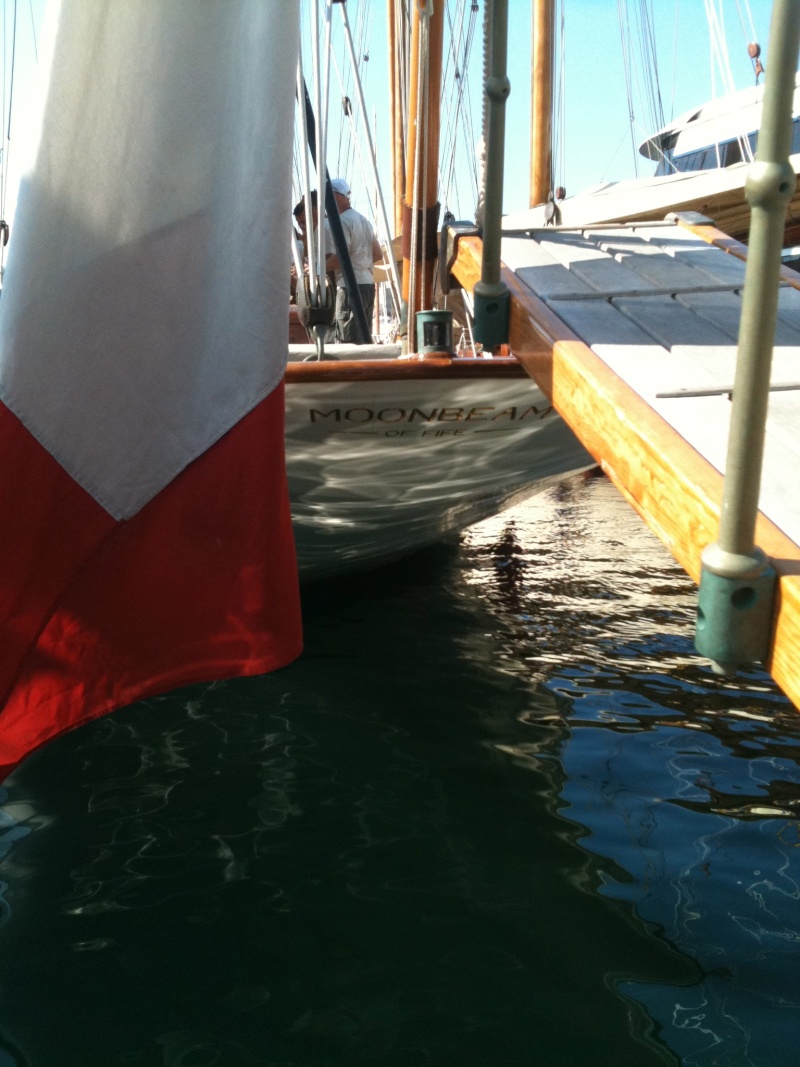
{"points": [[145, 534]]}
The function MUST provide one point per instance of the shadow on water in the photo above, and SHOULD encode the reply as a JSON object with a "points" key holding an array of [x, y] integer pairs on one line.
{"points": [[432, 840]]}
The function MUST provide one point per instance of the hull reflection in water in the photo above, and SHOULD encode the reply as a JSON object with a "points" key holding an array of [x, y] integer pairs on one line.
{"points": [[498, 814], [688, 781]]}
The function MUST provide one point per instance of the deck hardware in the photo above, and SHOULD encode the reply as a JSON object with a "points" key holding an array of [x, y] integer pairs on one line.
{"points": [[737, 583], [722, 390], [316, 319], [690, 218], [734, 608], [627, 294], [435, 333], [589, 227]]}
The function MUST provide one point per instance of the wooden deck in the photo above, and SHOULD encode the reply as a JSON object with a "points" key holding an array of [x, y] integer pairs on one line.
{"points": [[631, 330]]}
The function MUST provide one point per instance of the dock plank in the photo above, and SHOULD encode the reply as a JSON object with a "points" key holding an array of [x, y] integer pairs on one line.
{"points": [[704, 421], [670, 323], [540, 271], [650, 260], [666, 455], [722, 268], [783, 419], [724, 310], [592, 265], [598, 322]]}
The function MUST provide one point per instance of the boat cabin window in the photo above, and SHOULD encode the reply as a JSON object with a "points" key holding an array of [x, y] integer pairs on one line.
{"points": [[730, 152]]}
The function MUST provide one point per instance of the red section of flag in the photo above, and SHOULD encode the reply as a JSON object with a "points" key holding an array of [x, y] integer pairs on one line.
{"points": [[201, 584]]}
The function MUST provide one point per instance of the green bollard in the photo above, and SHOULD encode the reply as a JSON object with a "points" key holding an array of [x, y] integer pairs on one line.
{"points": [[734, 609]]}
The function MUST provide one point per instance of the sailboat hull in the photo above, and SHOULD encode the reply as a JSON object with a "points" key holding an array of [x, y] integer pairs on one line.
{"points": [[385, 457], [718, 194]]}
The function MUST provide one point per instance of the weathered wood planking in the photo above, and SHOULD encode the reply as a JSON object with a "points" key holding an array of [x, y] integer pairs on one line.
{"points": [[615, 412]]}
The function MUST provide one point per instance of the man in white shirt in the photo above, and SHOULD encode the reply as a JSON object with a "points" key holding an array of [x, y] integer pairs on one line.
{"points": [[364, 251]]}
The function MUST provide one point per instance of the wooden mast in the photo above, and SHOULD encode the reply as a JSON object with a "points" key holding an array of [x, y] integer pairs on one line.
{"points": [[542, 102], [397, 55], [420, 206]]}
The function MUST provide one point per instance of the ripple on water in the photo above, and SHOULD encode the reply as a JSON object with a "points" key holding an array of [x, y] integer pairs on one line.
{"points": [[497, 814]]}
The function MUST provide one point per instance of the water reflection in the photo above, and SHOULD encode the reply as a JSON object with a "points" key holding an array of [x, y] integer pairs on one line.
{"points": [[497, 814], [689, 781]]}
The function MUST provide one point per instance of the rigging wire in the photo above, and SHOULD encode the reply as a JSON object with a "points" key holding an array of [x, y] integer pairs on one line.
{"points": [[559, 164], [626, 66], [752, 36], [750, 40], [419, 120], [674, 60], [640, 63], [457, 156], [403, 22], [347, 148], [369, 173], [719, 48]]}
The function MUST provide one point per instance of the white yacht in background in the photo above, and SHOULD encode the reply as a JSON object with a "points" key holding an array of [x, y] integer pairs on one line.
{"points": [[702, 160]]}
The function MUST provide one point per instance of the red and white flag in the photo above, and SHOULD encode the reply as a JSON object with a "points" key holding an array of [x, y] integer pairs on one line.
{"points": [[145, 536]]}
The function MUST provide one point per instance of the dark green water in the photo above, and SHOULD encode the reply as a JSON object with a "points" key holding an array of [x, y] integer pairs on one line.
{"points": [[497, 815]]}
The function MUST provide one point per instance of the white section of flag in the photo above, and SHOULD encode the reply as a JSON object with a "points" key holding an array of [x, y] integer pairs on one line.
{"points": [[146, 294]]}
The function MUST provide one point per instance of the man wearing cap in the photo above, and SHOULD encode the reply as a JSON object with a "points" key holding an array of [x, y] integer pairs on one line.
{"points": [[364, 251]]}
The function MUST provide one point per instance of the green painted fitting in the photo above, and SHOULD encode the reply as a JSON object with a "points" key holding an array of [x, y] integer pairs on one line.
{"points": [[734, 611], [498, 88], [435, 333], [770, 184], [491, 304]]}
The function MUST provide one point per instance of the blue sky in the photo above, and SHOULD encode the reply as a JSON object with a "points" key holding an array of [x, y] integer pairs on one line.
{"points": [[597, 140], [597, 128]]}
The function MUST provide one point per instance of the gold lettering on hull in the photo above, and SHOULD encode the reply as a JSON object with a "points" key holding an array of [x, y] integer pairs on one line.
{"points": [[365, 416]]}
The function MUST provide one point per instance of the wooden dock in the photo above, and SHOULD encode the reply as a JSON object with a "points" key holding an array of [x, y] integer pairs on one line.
{"points": [[631, 330]]}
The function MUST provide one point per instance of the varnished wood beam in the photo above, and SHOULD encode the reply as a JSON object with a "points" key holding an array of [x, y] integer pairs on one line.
{"points": [[674, 489], [712, 235], [382, 370]]}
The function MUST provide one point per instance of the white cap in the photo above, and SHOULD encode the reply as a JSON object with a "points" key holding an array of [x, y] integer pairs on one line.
{"points": [[339, 185]]}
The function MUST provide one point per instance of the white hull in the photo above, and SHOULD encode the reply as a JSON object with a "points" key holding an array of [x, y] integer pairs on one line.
{"points": [[717, 194], [379, 468], [713, 185]]}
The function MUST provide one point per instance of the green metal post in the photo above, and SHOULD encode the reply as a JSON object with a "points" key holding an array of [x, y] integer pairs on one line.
{"points": [[491, 296], [737, 583]]}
